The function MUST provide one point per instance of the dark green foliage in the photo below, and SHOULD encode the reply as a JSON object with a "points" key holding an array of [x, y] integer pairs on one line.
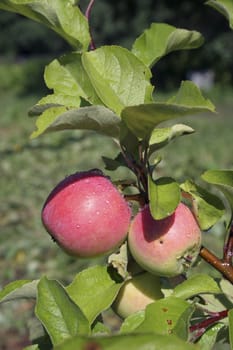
{"points": [[120, 22], [22, 38]]}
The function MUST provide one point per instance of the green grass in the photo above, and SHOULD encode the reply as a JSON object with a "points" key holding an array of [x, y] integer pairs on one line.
{"points": [[29, 169]]}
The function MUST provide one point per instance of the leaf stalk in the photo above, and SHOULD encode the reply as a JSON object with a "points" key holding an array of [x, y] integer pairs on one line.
{"points": [[88, 15], [200, 328]]}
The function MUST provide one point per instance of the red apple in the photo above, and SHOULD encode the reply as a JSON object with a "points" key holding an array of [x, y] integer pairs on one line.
{"points": [[137, 293], [165, 247], [86, 215]]}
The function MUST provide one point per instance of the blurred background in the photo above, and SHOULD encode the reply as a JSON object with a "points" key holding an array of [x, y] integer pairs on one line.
{"points": [[29, 169]]}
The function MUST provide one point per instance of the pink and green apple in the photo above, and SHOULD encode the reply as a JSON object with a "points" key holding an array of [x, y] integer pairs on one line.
{"points": [[165, 247], [87, 215]]}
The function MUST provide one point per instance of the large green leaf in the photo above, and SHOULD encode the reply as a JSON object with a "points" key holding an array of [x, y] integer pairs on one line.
{"points": [[68, 77], [60, 316], [120, 79], [96, 118], [194, 285], [223, 180], [225, 7], [208, 208], [127, 342], [62, 16], [21, 289], [161, 39], [93, 290], [70, 83], [164, 315], [164, 196], [141, 119], [58, 77]]}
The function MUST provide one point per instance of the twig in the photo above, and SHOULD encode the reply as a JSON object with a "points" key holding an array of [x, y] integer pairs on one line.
{"points": [[222, 266], [228, 248], [201, 327], [135, 168], [88, 15]]}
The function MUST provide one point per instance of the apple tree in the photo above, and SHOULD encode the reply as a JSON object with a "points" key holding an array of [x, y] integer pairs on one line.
{"points": [[148, 227]]}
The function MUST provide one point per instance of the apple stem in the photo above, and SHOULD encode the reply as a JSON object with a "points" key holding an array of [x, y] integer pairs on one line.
{"points": [[88, 15], [136, 198], [219, 264], [201, 327]]}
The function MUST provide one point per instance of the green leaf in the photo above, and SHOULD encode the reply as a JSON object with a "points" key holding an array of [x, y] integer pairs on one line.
{"points": [[119, 78], [127, 341], [160, 137], [143, 118], [132, 322], [215, 303], [96, 118], [113, 164], [32, 347], [100, 328], [67, 76], [181, 328], [161, 39], [164, 196], [230, 318], [225, 7], [164, 315], [46, 119], [227, 289], [223, 180], [60, 316], [208, 339], [64, 17], [58, 77], [208, 208], [69, 81], [129, 141], [21, 289], [194, 285], [93, 290]]}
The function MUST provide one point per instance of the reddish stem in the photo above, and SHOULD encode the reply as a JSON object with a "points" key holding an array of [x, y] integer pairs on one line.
{"points": [[88, 15], [201, 327]]}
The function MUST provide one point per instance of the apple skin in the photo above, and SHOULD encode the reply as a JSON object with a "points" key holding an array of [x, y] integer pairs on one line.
{"points": [[86, 215], [166, 247], [137, 293]]}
